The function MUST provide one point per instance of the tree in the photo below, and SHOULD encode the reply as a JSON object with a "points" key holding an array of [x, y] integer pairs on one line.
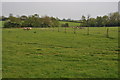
{"points": [[9, 24], [10, 15], [23, 17], [64, 19], [46, 21], [88, 17], [105, 20], [114, 19], [36, 15], [84, 21], [3, 18], [92, 22], [54, 22], [69, 19], [99, 21], [83, 18], [65, 25]]}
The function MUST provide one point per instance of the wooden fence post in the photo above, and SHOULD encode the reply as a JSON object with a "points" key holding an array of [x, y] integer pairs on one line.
{"points": [[58, 29], [107, 33], [65, 29], [88, 30], [53, 28], [74, 30]]}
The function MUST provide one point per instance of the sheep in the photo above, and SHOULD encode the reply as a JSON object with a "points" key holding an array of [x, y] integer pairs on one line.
{"points": [[27, 28]]}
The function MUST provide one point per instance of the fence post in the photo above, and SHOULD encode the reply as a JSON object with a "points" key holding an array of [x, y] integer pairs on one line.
{"points": [[74, 30], [107, 35], [65, 29], [58, 29], [88, 30], [53, 28]]}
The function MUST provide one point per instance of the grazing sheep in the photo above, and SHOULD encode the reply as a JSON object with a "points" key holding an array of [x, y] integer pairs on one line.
{"points": [[27, 28], [78, 27]]}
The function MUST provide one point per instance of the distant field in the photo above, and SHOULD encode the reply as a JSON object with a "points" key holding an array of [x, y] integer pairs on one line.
{"points": [[44, 53], [71, 24]]}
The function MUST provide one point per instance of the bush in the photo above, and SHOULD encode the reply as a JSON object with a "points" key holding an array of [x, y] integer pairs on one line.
{"points": [[65, 25], [9, 24]]}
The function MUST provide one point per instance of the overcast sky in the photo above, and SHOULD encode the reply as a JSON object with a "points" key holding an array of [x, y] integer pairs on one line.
{"points": [[73, 10], [60, 0]]}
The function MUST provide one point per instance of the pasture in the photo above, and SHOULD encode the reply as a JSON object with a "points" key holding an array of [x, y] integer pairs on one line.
{"points": [[44, 53], [0, 23], [70, 23], [0, 50]]}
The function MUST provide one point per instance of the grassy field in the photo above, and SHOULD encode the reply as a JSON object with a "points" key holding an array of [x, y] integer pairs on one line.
{"points": [[71, 24], [1, 23], [44, 53], [0, 51]]}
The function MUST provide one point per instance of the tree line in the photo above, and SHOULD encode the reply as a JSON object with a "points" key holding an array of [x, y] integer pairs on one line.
{"points": [[30, 21], [112, 19]]}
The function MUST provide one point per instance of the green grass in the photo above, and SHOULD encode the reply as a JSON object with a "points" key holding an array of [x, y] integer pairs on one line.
{"points": [[1, 23], [0, 51], [71, 24], [44, 53]]}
